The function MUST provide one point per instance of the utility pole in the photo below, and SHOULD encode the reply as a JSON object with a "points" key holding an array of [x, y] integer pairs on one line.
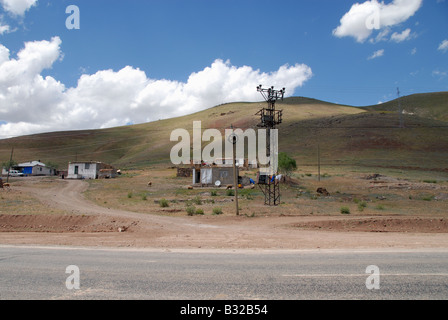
{"points": [[318, 161], [270, 118], [233, 139], [10, 162], [400, 111]]}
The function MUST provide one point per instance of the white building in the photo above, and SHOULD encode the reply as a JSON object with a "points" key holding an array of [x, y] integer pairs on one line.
{"points": [[35, 168], [90, 170]]}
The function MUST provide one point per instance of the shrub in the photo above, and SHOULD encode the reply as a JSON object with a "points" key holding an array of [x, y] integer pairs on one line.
{"points": [[197, 200], [230, 193], [217, 211], [213, 193], [199, 211], [191, 210], [164, 203], [362, 205], [130, 195], [345, 210], [379, 207]]}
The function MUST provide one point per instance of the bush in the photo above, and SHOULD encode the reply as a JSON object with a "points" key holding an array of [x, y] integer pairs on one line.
{"points": [[197, 200], [345, 210], [230, 193], [213, 193], [130, 195], [199, 211], [362, 205], [379, 207], [164, 203], [191, 210], [217, 211]]}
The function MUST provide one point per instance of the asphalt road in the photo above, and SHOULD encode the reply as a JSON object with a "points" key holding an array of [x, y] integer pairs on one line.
{"points": [[40, 273]]}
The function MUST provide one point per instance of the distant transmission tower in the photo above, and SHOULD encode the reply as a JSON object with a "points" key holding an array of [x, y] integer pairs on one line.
{"points": [[400, 111], [270, 118]]}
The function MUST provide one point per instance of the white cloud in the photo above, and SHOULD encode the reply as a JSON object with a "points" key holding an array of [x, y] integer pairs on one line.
{"points": [[376, 54], [3, 29], [444, 46], [439, 74], [360, 21], [414, 51], [400, 37], [17, 7], [30, 103]]}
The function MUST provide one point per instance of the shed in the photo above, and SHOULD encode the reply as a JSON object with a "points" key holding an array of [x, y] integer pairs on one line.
{"points": [[90, 170], [213, 175], [35, 168]]}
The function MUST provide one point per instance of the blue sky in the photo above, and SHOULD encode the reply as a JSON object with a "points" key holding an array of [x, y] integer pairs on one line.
{"points": [[135, 61]]}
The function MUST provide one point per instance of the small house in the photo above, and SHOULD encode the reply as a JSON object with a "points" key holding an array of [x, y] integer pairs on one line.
{"points": [[35, 168], [217, 176], [90, 170]]}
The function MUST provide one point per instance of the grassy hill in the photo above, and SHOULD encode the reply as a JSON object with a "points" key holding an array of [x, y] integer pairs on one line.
{"points": [[426, 105], [346, 135]]}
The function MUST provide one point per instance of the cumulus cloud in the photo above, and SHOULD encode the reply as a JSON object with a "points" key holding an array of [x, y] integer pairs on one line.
{"points": [[363, 18], [444, 46], [17, 7], [376, 54], [31, 103]]}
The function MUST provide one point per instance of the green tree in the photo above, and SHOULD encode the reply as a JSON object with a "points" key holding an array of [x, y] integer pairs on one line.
{"points": [[286, 164]]}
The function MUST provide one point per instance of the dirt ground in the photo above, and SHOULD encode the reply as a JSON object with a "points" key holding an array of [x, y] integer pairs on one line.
{"points": [[70, 218]]}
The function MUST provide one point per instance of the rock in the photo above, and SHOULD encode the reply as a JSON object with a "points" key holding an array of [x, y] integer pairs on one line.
{"points": [[323, 192]]}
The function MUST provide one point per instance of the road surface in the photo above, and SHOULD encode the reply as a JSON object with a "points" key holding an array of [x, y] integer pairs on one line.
{"points": [[28, 272]]}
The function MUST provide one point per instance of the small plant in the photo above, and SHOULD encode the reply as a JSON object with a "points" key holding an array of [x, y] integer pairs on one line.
{"points": [[230, 193], [199, 211], [164, 203], [217, 211], [308, 174], [345, 210], [430, 181], [130, 195], [213, 193], [362, 205], [197, 200], [191, 210], [144, 198], [379, 207], [428, 198]]}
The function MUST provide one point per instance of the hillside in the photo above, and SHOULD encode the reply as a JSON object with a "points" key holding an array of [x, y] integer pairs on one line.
{"points": [[346, 135], [426, 105]]}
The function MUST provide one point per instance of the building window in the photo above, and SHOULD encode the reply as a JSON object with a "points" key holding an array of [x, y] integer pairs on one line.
{"points": [[87, 166]]}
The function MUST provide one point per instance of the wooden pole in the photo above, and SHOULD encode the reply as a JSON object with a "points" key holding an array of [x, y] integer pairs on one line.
{"points": [[10, 162], [235, 175], [318, 160]]}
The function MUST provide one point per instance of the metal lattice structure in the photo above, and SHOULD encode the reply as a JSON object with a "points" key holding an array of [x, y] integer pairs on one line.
{"points": [[270, 118]]}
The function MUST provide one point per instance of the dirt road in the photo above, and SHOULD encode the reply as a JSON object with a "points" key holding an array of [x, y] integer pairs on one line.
{"points": [[88, 224]]}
